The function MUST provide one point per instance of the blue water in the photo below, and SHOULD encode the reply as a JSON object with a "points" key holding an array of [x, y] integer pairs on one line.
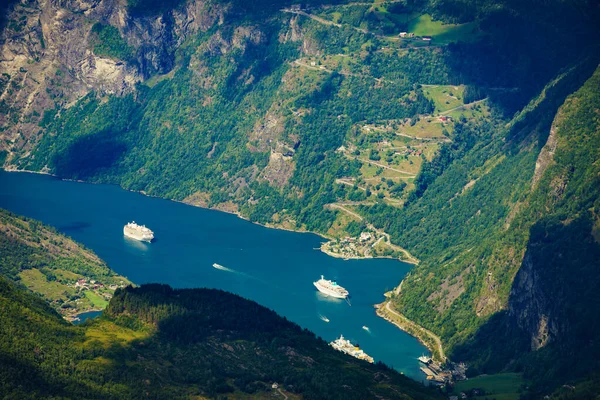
{"points": [[272, 267], [85, 316]]}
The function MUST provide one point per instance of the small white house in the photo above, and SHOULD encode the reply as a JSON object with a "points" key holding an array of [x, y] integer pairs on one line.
{"points": [[403, 34]]}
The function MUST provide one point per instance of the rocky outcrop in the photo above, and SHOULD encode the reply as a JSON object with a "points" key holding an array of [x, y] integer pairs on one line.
{"points": [[279, 170], [546, 155], [48, 62], [529, 305]]}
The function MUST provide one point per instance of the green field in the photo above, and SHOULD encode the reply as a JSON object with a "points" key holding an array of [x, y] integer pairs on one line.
{"points": [[96, 299], [442, 33], [445, 97], [498, 386], [37, 282]]}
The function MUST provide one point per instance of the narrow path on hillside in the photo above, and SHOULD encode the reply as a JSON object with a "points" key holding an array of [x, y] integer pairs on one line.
{"points": [[427, 332], [283, 394], [341, 72], [464, 106], [349, 183], [433, 139], [408, 174], [409, 258], [352, 213], [356, 203]]}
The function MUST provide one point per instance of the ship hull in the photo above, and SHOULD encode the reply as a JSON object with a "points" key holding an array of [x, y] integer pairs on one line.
{"points": [[138, 237], [328, 292]]}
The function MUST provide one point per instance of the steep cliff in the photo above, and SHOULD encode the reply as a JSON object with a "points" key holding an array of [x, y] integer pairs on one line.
{"points": [[551, 317], [50, 56], [327, 119]]}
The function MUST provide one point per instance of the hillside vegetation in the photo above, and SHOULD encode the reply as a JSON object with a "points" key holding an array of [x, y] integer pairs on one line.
{"points": [[472, 154], [71, 279], [157, 342]]}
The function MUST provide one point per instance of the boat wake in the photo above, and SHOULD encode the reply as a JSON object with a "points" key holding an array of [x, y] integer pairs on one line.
{"points": [[222, 268], [239, 273], [323, 318]]}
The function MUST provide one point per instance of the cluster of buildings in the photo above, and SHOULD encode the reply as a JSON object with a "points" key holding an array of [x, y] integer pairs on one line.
{"points": [[412, 36], [350, 247], [436, 374], [90, 284]]}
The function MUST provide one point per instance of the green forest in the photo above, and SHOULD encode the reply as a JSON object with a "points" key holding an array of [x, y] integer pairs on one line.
{"points": [[157, 342], [475, 150]]}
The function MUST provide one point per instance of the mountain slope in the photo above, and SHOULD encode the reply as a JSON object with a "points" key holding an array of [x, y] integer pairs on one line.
{"points": [[553, 304], [530, 284], [157, 342], [72, 279], [327, 119]]}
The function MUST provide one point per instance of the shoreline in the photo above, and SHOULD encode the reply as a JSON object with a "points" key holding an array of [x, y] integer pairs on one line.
{"points": [[236, 213], [239, 215], [75, 317], [424, 336], [336, 255]]}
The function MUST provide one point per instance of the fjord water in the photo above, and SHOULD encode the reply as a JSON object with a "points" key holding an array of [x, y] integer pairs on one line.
{"points": [[272, 267]]}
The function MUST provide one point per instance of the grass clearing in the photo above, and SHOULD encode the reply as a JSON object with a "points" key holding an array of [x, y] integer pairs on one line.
{"points": [[338, 227], [156, 79], [442, 33], [67, 275], [471, 110], [498, 386], [37, 282], [445, 97], [428, 128], [109, 333], [96, 299]]}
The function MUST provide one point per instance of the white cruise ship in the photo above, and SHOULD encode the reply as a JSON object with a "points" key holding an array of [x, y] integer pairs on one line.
{"points": [[138, 232], [331, 288], [345, 346]]}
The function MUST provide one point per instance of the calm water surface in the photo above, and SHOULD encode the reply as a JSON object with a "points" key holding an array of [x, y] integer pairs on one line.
{"points": [[272, 267], [85, 316]]}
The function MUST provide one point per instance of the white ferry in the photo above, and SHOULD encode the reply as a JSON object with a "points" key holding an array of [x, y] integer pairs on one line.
{"points": [[331, 288], [138, 232], [345, 346], [424, 359]]}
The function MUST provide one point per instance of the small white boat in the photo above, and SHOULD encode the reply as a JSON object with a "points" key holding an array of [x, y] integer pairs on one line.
{"points": [[222, 268], [366, 328]]}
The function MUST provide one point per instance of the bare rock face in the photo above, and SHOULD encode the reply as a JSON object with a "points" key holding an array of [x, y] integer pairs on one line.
{"points": [[546, 156], [279, 170], [107, 75], [47, 60], [530, 306], [267, 131]]}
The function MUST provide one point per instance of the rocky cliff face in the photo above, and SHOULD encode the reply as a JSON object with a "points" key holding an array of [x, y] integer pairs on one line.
{"points": [[46, 58], [529, 305]]}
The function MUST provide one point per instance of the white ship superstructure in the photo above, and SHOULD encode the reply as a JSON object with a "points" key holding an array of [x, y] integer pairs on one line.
{"points": [[138, 232], [331, 288], [424, 359], [345, 346]]}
